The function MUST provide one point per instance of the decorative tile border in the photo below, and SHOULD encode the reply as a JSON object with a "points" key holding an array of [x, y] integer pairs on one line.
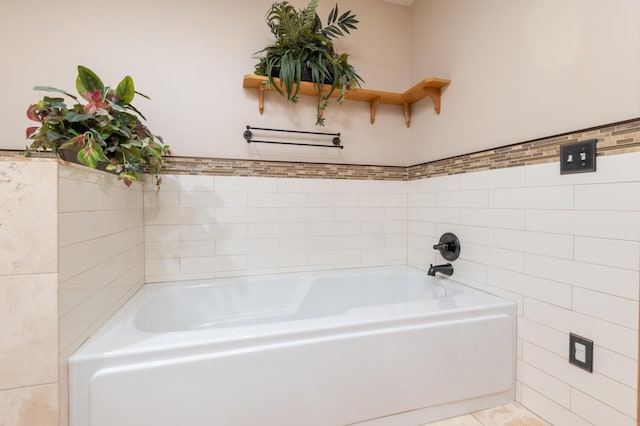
{"points": [[230, 167], [617, 138]]}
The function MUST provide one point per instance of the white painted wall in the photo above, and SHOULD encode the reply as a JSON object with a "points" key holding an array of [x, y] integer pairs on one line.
{"points": [[521, 70], [189, 57]]}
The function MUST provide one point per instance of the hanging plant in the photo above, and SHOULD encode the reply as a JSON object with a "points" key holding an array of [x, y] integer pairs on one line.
{"points": [[303, 51]]}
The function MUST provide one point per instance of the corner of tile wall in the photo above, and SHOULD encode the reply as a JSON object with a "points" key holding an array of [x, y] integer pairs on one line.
{"points": [[101, 247], [566, 249]]}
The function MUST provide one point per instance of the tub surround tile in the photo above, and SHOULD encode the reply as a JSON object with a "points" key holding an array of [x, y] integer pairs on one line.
{"points": [[28, 189], [501, 178], [572, 267], [423, 199], [63, 405], [615, 196], [546, 384], [597, 412], [614, 337], [599, 224], [620, 282], [618, 367], [606, 307], [383, 200], [479, 207], [86, 315], [28, 330], [478, 199], [102, 256], [445, 215], [614, 394], [548, 291], [182, 182], [607, 252], [495, 218], [543, 336], [559, 246], [549, 410], [30, 406], [557, 198], [178, 216]]}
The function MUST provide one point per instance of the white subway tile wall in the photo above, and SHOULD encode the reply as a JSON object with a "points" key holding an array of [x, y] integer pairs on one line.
{"points": [[206, 227], [567, 250], [101, 256]]}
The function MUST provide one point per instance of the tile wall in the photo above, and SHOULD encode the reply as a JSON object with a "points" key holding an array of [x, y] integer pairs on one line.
{"points": [[567, 250], [28, 293], [201, 226], [101, 247]]}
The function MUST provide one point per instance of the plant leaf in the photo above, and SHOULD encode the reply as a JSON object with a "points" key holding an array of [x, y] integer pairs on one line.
{"points": [[136, 110], [333, 15], [125, 90], [143, 95], [116, 106], [31, 113], [87, 81], [53, 89], [30, 131], [74, 117], [91, 154]]}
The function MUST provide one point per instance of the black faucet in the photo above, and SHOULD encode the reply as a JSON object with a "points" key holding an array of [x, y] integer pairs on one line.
{"points": [[446, 269]]}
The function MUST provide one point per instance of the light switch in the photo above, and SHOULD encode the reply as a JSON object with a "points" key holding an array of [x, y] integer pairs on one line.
{"points": [[581, 352], [578, 157]]}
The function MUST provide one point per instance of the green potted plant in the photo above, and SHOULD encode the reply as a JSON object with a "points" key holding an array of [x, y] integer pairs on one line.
{"points": [[303, 51], [104, 132]]}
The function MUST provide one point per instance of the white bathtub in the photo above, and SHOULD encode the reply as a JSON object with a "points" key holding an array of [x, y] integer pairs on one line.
{"points": [[376, 346]]}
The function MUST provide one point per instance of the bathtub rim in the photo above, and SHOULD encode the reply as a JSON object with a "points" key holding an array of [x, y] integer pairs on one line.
{"points": [[121, 332]]}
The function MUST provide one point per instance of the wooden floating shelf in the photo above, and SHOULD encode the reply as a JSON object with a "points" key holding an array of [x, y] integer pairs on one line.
{"points": [[431, 87]]}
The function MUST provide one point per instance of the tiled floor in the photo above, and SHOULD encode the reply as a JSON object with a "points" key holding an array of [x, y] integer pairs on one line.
{"points": [[512, 414]]}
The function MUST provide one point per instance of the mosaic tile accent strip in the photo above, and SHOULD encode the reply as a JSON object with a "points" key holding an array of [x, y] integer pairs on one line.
{"points": [[230, 167], [617, 138]]}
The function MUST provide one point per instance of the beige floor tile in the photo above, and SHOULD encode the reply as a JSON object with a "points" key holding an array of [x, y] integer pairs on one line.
{"points": [[512, 414], [467, 420]]}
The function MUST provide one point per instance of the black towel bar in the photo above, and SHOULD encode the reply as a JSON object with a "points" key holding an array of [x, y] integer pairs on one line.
{"points": [[336, 143]]}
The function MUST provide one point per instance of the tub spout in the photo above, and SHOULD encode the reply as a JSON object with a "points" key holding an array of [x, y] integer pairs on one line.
{"points": [[446, 269]]}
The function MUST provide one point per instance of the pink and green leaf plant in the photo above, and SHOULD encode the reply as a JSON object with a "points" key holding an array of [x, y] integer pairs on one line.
{"points": [[106, 130]]}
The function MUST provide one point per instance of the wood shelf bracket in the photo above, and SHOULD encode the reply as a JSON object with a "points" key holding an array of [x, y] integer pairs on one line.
{"points": [[261, 99], [407, 114], [373, 105], [434, 94]]}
